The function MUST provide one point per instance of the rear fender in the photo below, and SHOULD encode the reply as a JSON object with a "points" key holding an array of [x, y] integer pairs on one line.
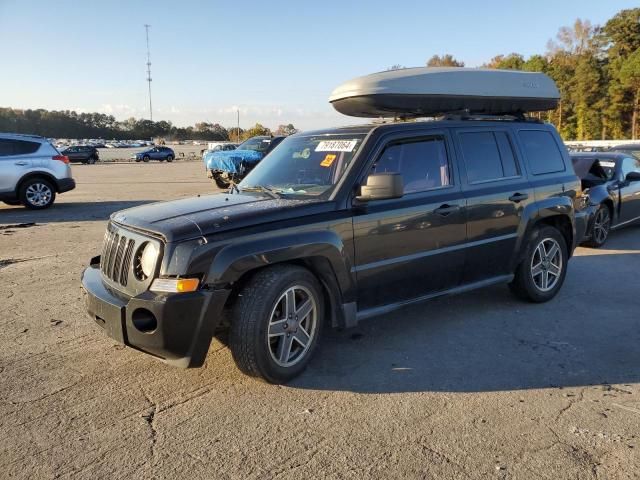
{"points": [[540, 211]]}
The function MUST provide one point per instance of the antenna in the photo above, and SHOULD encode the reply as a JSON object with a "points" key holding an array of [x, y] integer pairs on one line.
{"points": [[146, 27]]}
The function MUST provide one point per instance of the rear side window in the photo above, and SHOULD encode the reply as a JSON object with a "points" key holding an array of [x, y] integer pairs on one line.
{"points": [[488, 156], [542, 152], [17, 147]]}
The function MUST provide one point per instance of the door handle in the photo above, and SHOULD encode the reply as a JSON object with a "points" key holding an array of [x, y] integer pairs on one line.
{"points": [[21, 163], [518, 197], [445, 209]]}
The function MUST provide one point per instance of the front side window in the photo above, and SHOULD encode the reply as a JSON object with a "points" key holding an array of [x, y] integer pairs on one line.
{"points": [[488, 156], [423, 163], [305, 165], [256, 144], [629, 165], [542, 152]]}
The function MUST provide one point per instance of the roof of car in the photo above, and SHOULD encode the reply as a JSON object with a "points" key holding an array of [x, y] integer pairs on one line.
{"points": [[21, 136]]}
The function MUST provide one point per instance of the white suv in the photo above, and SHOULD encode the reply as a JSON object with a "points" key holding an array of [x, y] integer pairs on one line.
{"points": [[32, 171]]}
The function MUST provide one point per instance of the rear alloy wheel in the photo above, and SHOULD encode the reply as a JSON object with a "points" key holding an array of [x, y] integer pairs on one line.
{"points": [[169, 158], [541, 273], [601, 228], [37, 194], [276, 323]]}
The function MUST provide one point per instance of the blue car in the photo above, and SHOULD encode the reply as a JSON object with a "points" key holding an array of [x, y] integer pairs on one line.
{"points": [[155, 153], [227, 167]]}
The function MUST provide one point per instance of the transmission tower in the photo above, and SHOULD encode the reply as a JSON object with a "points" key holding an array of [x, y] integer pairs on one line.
{"points": [[146, 27]]}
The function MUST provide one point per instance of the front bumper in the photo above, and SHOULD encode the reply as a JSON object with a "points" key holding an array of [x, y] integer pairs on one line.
{"points": [[584, 223], [184, 322]]}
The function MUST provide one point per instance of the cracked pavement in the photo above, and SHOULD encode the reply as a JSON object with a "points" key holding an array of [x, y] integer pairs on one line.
{"points": [[475, 386]]}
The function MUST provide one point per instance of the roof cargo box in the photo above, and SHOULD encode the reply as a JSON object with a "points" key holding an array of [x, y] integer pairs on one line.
{"points": [[423, 91]]}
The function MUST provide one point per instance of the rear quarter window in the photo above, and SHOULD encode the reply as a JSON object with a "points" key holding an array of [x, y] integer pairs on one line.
{"points": [[17, 147], [542, 152]]}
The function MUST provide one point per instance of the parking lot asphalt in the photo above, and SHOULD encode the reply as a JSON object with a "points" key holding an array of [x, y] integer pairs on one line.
{"points": [[475, 386]]}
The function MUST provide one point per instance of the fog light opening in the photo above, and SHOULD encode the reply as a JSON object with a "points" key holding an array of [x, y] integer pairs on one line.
{"points": [[144, 320]]}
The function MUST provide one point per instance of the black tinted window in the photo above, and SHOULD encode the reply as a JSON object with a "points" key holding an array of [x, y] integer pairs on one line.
{"points": [[17, 147], [422, 163], [487, 156], [542, 152]]}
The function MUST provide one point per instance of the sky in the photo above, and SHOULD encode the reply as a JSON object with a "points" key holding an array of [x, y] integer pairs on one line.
{"points": [[276, 61]]}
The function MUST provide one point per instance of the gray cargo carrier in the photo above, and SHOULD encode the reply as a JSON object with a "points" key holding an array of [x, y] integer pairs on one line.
{"points": [[424, 91]]}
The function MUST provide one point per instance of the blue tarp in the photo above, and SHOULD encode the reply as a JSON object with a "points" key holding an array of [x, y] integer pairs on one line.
{"points": [[231, 160]]}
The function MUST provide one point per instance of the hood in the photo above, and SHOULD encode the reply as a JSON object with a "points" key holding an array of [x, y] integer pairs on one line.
{"points": [[206, 215], [231, 160]]}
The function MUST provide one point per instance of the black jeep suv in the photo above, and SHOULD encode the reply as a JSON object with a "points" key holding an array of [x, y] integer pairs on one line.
{"points": [[82, 153], [336, 226]]}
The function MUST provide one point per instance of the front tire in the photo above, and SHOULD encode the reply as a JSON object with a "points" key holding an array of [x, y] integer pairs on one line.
{"points": [[601, 228], [146, 159], [37, 194], [220, 181], [541, 273], [169, 158], [276, 323]]}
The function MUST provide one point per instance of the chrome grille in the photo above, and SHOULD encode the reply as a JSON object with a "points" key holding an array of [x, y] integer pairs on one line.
{"points": [[117, 253]]}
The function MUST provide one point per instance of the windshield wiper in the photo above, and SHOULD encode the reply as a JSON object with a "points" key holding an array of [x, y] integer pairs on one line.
{"points": [[262, 189]]}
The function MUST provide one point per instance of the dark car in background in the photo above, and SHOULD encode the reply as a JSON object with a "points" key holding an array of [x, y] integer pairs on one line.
{"points": [[155, 153], [227, 167], [82, 153], [611, 181], [628, 148]]}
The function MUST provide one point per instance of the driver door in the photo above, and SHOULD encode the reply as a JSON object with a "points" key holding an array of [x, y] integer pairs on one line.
{"points": [[629, 191], [413, 246]]}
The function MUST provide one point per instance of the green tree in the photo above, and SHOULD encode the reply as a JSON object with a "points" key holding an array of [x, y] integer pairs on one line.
{"points": [[630, 78], [513, 61]]}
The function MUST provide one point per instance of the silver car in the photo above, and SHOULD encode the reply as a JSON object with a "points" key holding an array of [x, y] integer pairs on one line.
{"points": [[32, 171]]}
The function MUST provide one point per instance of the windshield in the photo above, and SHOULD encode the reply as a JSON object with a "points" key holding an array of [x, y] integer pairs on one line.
{"points": [[257, 144], [305, 165]]}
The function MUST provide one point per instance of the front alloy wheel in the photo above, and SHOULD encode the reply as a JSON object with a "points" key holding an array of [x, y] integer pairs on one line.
{"points": [[276, 323], [601, 227], [292, 326]]}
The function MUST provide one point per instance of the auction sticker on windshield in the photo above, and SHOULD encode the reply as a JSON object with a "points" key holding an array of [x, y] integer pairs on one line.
{"points": [[336, 146]]}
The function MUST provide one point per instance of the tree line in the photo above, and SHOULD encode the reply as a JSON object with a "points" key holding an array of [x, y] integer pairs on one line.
{"points": [[69, 124], [596, 68]]}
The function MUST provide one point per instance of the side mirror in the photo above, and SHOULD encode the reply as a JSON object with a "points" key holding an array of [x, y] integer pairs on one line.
{"points": [[381, 186], [633, 177]]}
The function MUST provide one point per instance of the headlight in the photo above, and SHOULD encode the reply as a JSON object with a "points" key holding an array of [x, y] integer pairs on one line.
{"points": [[148, 259]]}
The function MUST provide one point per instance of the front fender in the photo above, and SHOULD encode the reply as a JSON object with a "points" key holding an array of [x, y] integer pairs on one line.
{"points": [[233, 261]]}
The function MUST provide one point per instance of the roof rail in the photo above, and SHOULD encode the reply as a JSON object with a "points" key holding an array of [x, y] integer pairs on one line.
{"points": [[28, 135], [507, 117]]}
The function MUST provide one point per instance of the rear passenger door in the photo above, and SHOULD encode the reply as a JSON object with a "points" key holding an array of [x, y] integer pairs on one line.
{"points": [[497, 191], [412, 246], [15, 161]]}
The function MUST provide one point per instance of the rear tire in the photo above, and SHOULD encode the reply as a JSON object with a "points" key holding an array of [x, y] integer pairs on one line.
{"points": [[601, 228], [169, 158], [93, 160], [276, 323], [542, 271], [37, 194]]}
